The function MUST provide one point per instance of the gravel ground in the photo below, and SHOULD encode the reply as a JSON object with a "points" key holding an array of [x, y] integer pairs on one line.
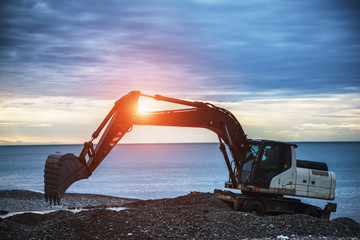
{"points": [[21, 200], [193, 216]]}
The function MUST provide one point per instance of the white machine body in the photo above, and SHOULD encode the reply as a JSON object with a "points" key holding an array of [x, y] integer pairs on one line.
{"points": [[298, 181], [305, 182]]}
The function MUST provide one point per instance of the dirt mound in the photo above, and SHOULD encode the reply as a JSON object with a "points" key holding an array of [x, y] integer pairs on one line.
{"points": [[197, 200], [193, 216]]}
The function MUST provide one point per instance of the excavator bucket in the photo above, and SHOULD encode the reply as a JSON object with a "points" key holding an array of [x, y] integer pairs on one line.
{"points": [[61, 170]]}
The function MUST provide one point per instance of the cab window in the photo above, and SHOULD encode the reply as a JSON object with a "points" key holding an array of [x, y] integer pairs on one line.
{"points": [[276, 157]]}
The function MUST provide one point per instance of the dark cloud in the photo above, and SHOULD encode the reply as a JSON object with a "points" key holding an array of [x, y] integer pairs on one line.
{"points": [[94, 48]]}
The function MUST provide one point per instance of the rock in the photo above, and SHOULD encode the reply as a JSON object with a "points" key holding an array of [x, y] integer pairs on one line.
{"points": [[3, 212], [282, 237]]}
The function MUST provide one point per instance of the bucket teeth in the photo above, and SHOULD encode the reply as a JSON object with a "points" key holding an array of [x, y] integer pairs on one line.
{"points": [[61, 170], [53, 199]]}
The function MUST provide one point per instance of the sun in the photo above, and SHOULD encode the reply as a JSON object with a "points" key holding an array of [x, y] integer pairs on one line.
{"points": [[145, 105]]}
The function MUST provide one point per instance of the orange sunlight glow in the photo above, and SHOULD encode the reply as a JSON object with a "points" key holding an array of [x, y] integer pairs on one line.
{"points": [[145, 105]]}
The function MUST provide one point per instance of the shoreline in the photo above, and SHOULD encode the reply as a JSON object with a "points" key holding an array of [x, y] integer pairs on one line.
{"points": [[25, 201], [192, 216], [15, 202]]}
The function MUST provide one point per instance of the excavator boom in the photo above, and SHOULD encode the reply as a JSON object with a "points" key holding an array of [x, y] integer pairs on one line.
{"points": [[61, 170]]}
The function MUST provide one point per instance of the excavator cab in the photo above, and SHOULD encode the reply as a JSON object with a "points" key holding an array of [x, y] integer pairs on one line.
{"points": [[265, 160]]}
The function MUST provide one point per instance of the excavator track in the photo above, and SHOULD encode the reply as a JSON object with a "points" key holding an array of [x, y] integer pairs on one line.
{"points": [[61, 170]]}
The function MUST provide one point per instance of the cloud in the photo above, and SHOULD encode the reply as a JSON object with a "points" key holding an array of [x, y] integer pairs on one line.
{"points": [[298, 118], [90, 49], [323, 126], [267, 116], [57, 57], [25, 124]]}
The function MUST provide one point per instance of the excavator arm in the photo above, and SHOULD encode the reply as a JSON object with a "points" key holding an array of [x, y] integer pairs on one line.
{"points": [[61, 170]]}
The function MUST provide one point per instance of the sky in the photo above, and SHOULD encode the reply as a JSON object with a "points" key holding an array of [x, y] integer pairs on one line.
{"points": [[288, 70]]}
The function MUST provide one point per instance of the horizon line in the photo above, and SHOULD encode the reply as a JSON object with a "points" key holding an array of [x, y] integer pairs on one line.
{"points": [[161, 143]]}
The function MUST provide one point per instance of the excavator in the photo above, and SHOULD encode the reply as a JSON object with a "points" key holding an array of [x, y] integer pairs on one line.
{"points": [[264, 171]]}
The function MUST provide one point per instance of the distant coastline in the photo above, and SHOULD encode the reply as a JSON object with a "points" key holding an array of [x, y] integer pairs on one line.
{"points": [[160, 143]]}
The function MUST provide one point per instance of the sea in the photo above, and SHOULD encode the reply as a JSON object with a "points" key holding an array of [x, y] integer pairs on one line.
{"points": [[153, 171]]}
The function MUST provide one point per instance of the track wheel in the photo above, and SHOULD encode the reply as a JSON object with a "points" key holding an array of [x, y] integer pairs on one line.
{"points": [[312, 211], [254, 207], [238, 203]]}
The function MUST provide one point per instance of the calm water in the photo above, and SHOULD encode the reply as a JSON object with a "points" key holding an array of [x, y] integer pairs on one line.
{"points": [[150, 171]]}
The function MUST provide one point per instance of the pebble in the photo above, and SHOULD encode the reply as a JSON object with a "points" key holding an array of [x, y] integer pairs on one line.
{"points": [[193, 216], [4, 226]]}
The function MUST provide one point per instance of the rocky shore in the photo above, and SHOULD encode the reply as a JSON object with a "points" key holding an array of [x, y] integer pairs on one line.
{"points": [[193, 216]]}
